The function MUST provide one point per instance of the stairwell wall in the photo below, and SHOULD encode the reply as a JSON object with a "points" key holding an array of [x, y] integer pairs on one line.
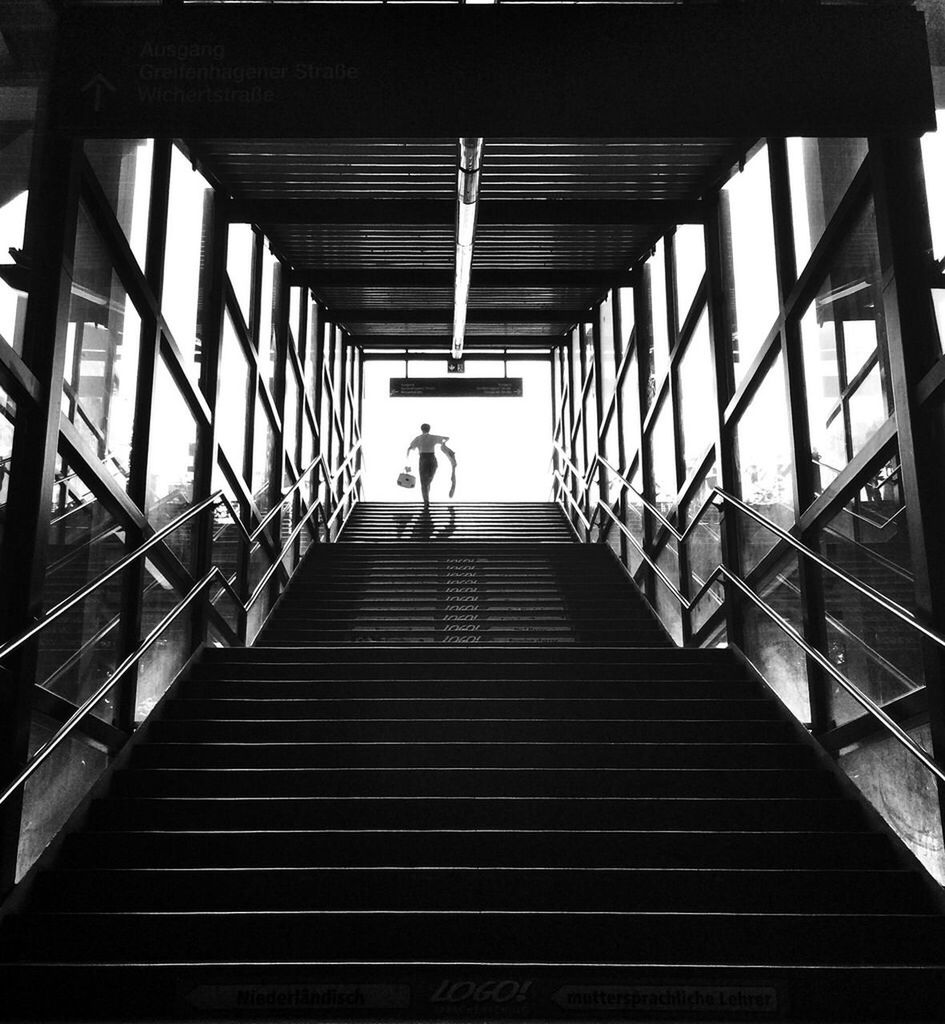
{"points": [[787, 350], [184, 362]]}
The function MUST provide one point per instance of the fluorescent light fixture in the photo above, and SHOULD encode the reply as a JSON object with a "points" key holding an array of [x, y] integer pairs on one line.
{"points": [[467, 200]]}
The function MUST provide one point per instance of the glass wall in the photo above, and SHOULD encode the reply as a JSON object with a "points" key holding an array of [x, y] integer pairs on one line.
{"points": [[157, 411], [99, 386], [764, 465], [188, 223], [123, 169], [821, 171], [748, 236], [769, 377], [844, 354], [698, 405], [7, 428], [933, 160], [16, 148]]}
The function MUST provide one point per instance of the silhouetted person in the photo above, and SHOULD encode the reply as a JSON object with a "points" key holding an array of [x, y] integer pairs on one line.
{"points": [[426, 443]]}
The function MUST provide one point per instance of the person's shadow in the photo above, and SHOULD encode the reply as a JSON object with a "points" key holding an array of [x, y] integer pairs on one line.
{"points": [[450, 528], [401, 523], [422, 528]]}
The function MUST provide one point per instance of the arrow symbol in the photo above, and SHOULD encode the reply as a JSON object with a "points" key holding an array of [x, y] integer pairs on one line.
{"points": [[98, 83]]}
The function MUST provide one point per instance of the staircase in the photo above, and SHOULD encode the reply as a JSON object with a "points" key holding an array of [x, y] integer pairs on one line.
{"points": [[556, 816]]}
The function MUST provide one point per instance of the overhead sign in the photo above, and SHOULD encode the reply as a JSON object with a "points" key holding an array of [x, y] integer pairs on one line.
{"points": [[574, 71], [456, 387]]}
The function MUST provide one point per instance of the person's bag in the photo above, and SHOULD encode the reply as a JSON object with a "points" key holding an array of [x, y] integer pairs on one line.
{"points": [[406, 479]]}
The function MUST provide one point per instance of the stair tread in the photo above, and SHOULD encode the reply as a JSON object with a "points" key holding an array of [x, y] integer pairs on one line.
{"points": [[355, 795]]}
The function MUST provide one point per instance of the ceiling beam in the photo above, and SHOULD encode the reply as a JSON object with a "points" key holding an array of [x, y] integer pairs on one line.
{"points": [[445, 316], [496, 342], [470, 357], [442, 212], [396, 278]]}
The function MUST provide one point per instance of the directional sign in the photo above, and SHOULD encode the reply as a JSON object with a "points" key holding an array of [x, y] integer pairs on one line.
{"points": [[388, 70], [456, 387]]}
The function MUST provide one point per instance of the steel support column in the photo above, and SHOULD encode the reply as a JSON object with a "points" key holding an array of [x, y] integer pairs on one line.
{"points": [[810, 577], [50, 237], [905, 246]]}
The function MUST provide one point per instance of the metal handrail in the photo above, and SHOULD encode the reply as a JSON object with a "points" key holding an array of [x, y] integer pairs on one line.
{"points": [[41, 755], [331, 478], [70, 602], [214, 574], [90, 499], [80, 595], [717, 493], [870, 485], [873, 555], [625, 484], [858, 695], [340, 503], [873, 523]]}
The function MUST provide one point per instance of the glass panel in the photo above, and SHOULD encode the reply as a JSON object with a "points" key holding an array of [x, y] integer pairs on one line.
{"points": [[226, 533], [171, 463], [609, 369], [232, 396], [56, 789], [933, 159], [291, 413], [690, 265], [80, 650], [228, 609], [563, 396], [324, 427], [166, 657], [15, 157], [260, 561], [103, 335], [576, 379], [625, 298], [349, 413], [267, 334], [663, 459], [667, 606], [123, 169], [869, 539], [310, 347], [867, 407], [7, 426], [903, 792], [226, 549], [12, 313], [938, 305], [187, 229], [308, 443], [764, 465], [782, 663], [697, 402], [754, 305], [630, 403], [264, 449], [612, 449], [841, 333], [295, 313], [634, 519], [703, 550], [591, 425], [288, 522], [659, 354], [240, 244], [820, 172]]}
